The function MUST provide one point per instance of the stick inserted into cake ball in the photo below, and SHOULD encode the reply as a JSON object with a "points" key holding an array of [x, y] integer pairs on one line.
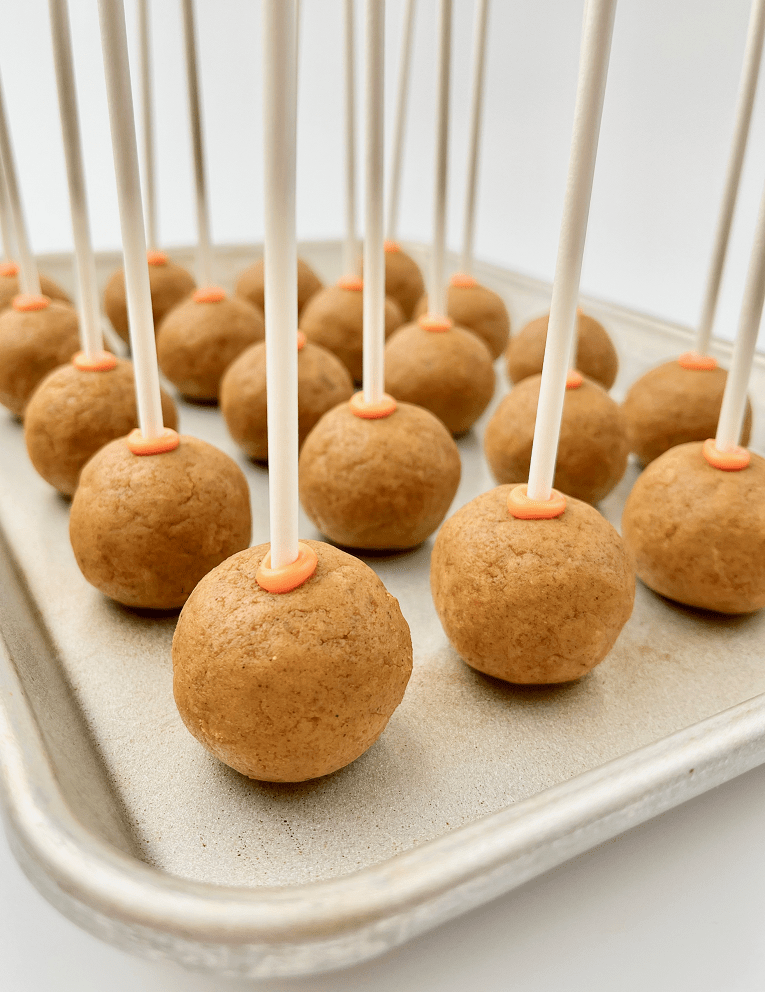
{"points": [[299, 631], [82, 405], [153, 511], [402, 489], [201, 336], [432, 362], [532, 586], [679, 401]]}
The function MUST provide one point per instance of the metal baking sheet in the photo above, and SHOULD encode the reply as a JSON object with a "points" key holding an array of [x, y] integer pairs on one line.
{"points": [[127, 825]]}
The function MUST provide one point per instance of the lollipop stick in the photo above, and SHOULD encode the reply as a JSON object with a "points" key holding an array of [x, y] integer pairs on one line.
{"points": [[374, 255], [90, 316], [744, 104], [147, 122], [350, 247], [6, 223], [402, 99], [204, 252], [279, 124], [29, 280], [476, 106], [437, 290], [121, 119], [591, 87]]}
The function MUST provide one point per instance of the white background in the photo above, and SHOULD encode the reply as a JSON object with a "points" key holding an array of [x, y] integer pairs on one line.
{"points": [[679, 903]]}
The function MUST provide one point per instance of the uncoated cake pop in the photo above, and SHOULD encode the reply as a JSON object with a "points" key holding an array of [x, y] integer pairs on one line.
{"points": [[169, 284], [595, 354], [476, 308], [403, 278], [251, 284]]}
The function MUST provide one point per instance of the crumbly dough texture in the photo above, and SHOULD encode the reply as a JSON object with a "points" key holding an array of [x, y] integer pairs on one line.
{"points": [[9, 287], [286, 688], [671, 405], [595, 354], [72, 414], [592, 451], [32, 344], [196, 342], [449, 373], [169, 284], [323, 382], [333, 318], [477, 309], [403, 281], [378, 484], [146, 528], [698, 533], [531, 601], [251, 284]]}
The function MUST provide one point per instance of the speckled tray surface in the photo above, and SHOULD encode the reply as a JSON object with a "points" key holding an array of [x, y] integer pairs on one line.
{"points": [[459, 747]]}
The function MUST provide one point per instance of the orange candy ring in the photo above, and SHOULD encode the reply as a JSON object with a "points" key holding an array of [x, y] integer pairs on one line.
{"points": [[288, 577], [101, 361], [729, 461], [168, 440], [154, 257], [301, 340], [27, 302], [8, 269], [523, 508], [696, 362], [372, 411], [574, 379], [391, 246], [430, 322], [463, 280], [353, 283], [209, 294]]}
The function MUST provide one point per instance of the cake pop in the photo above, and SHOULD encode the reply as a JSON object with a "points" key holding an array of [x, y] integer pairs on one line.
{"points": [[9, 286], [251, 284], [592, 450], [288, 659], [595, 354], [169, 284], [403, 279], [476, 308], [323, 382]]}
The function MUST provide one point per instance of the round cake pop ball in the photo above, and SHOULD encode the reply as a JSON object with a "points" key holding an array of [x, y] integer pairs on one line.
{"points": [[146, 528], [201, 337], [443, 368], [595, 354], [75, 411], [169, 284], [403, 279], [251, 284], [382, 482], [323, 382], [476, 308], [697, 533], [673, 404], [592, 451], [9, 286], [531, 601], [333, 318], [286, 688], [36, 335]]}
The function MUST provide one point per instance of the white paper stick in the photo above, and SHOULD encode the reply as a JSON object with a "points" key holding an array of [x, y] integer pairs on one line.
{"points": [[437, 289], [399, 126], [591, 87], [476, 108], [350, 245], [6, 222], [147, 122], [279, 137], [204, 250], [374, 254], [91, 338], [120, 99], [734, 398], [744, 104], [29, 280]]}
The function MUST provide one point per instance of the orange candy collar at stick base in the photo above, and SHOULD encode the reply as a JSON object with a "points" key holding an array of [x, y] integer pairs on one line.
{"points": [[391, 246], [522, 507], [100, 361], [8, 269], [463, 280], [154, 257], [209, 294], [168, 440], [574, 379], [27, 302], [288, 577], [697, 363], [729, 461], [372, 411], [433, 323], [301, 340], [354, 284]]}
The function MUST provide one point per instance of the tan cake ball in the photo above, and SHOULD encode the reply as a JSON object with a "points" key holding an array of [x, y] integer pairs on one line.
{"points": [[333, 318], [478, 309], [73, 413], [146, 528], [33, 341], [201, 337], [592, 451], [448, 372], [169, 284], [380, 484], [697, 533], [595, 353], [531, 601], [323, 382], [403, 278], [9, 285], [251, 284], [289, 687], [673, 405]]}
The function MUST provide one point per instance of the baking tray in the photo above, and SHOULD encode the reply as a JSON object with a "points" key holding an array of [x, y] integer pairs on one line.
{"points": [[134, 832]]}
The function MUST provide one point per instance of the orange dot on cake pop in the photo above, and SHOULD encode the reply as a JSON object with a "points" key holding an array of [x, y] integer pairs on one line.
{"points": [[27, 302], [288, 577], [523, 507], [435, 324], [8, 269], [168, 440], [372, 411], [154, 257], [574, 379], [100, 361], [700, 363], [463, 280], [733, 460], [353, 283], [209, 294]]}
